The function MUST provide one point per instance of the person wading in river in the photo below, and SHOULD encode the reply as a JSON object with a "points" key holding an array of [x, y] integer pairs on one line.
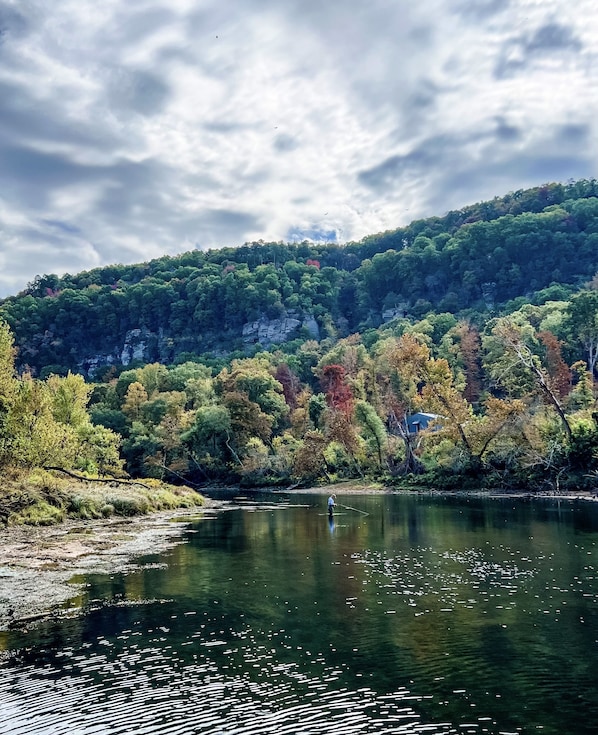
{"points": [[331, 505]]}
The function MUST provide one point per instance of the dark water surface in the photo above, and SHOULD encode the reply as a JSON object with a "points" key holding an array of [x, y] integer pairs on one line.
{"points": [[429, 615]]}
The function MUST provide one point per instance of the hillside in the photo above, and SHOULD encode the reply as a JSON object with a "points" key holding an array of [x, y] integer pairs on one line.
{"points": [[464, 356], [530, 245]]}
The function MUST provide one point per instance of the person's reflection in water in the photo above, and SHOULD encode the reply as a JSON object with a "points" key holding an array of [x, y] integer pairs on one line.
{"points": [[331, 525]]}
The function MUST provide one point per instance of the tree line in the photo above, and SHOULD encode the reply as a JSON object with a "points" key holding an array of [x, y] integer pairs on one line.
{"points": [[511, 402]]}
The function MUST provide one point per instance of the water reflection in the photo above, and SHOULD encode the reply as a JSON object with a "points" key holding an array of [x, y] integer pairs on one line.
{"points": [[429, 615]]}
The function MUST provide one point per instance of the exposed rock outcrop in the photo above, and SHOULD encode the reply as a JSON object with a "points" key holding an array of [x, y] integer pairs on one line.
{"points": [[141, 345], [276, 331]]}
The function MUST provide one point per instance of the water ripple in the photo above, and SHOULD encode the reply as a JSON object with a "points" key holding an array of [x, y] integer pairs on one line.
{"points": [[143, 693]]}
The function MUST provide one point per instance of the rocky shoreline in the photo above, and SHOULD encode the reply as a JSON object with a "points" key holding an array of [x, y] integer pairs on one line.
{"points": [[37, 564]]}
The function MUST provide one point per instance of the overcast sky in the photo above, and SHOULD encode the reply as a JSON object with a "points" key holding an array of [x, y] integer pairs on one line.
{"points": [[131, 129]]}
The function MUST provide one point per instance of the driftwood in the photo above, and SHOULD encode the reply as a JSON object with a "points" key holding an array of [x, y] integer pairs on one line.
{"points": [[96, 479], [176, 474]]}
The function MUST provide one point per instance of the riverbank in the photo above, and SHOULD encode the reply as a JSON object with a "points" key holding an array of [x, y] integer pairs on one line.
{"points": [[54, 526], [363, 487], [46, 497], [38, 565]]}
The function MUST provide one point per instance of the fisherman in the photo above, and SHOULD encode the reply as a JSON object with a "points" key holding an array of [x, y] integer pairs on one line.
{"points": [[331, 505]]}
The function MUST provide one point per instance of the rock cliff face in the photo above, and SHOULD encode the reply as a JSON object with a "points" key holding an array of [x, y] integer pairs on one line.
{"points": [[139, 345], [276, 331], [145, 346]]}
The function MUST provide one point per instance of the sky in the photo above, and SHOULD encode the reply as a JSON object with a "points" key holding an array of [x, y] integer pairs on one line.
{"points": [[132, 129]]}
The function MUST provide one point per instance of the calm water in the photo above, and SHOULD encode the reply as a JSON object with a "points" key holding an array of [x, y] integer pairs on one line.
{"points": [[428, 615]]}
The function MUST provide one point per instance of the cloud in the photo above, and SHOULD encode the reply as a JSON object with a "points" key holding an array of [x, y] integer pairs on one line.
{"points": [[133, 130], [138, 91], [482, 9], [544, 43], [13, 23]]}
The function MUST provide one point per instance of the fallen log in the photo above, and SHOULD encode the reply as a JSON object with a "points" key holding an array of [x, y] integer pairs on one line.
{"points": [[96, 479]]}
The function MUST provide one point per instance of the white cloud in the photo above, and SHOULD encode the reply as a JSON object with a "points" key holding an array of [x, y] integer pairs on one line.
{"points": [[132, 130]]}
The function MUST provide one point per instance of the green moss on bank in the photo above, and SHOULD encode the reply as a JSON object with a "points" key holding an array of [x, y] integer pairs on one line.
{"points": [[41, 498]]}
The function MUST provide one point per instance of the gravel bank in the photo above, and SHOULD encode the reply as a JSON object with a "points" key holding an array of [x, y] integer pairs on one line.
{"points": [[37, 564]]}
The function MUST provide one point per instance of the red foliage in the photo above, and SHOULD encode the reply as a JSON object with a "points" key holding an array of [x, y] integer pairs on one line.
{"points": [[290, 384], [315, 263], [338, 393], [558, 370]]}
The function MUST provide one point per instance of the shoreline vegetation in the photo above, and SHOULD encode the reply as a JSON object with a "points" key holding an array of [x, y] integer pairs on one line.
{"points": [[45, 497]]}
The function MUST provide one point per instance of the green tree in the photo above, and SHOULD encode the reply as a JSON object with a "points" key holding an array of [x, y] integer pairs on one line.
{"points": [[208, 438], [583, 324], [36, 438], [98, 450], [372, 427], [8, 387], [70, 396]]}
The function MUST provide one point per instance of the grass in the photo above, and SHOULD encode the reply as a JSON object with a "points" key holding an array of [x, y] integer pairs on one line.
{"points": [[41, 498]]}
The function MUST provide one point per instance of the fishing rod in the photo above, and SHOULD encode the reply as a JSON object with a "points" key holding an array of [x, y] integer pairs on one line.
{"points": [[348, 507]]}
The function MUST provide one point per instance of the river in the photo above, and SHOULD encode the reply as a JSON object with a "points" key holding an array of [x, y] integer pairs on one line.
{"points": [[405, 614]]}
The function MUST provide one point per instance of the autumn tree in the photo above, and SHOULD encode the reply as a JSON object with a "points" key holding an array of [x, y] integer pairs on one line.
{"points": [[469, 353], [398, 389], [252, 377], [135, 398], [557, 369], [309, 461], [338, 393], [513, 340], [291, 386]]}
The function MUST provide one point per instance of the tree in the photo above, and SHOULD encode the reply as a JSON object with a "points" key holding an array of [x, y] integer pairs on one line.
{"points": [[338, 393], [36, 438], [247, 421], [98, 450], [290, 384], [470, 348], [439, 395], [252, 378], [514, 343], [499, 418], [309, 462], [556, 367], [7, 363], [153, 377], [582, 395], [398, 385], [8, 387], [429, 384], [135, 399], [583, 324], [372, 427], [70, 396], [210, 433]]}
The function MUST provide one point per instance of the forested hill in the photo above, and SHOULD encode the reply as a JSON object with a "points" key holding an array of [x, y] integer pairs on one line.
{"points": [[487, 258]]}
